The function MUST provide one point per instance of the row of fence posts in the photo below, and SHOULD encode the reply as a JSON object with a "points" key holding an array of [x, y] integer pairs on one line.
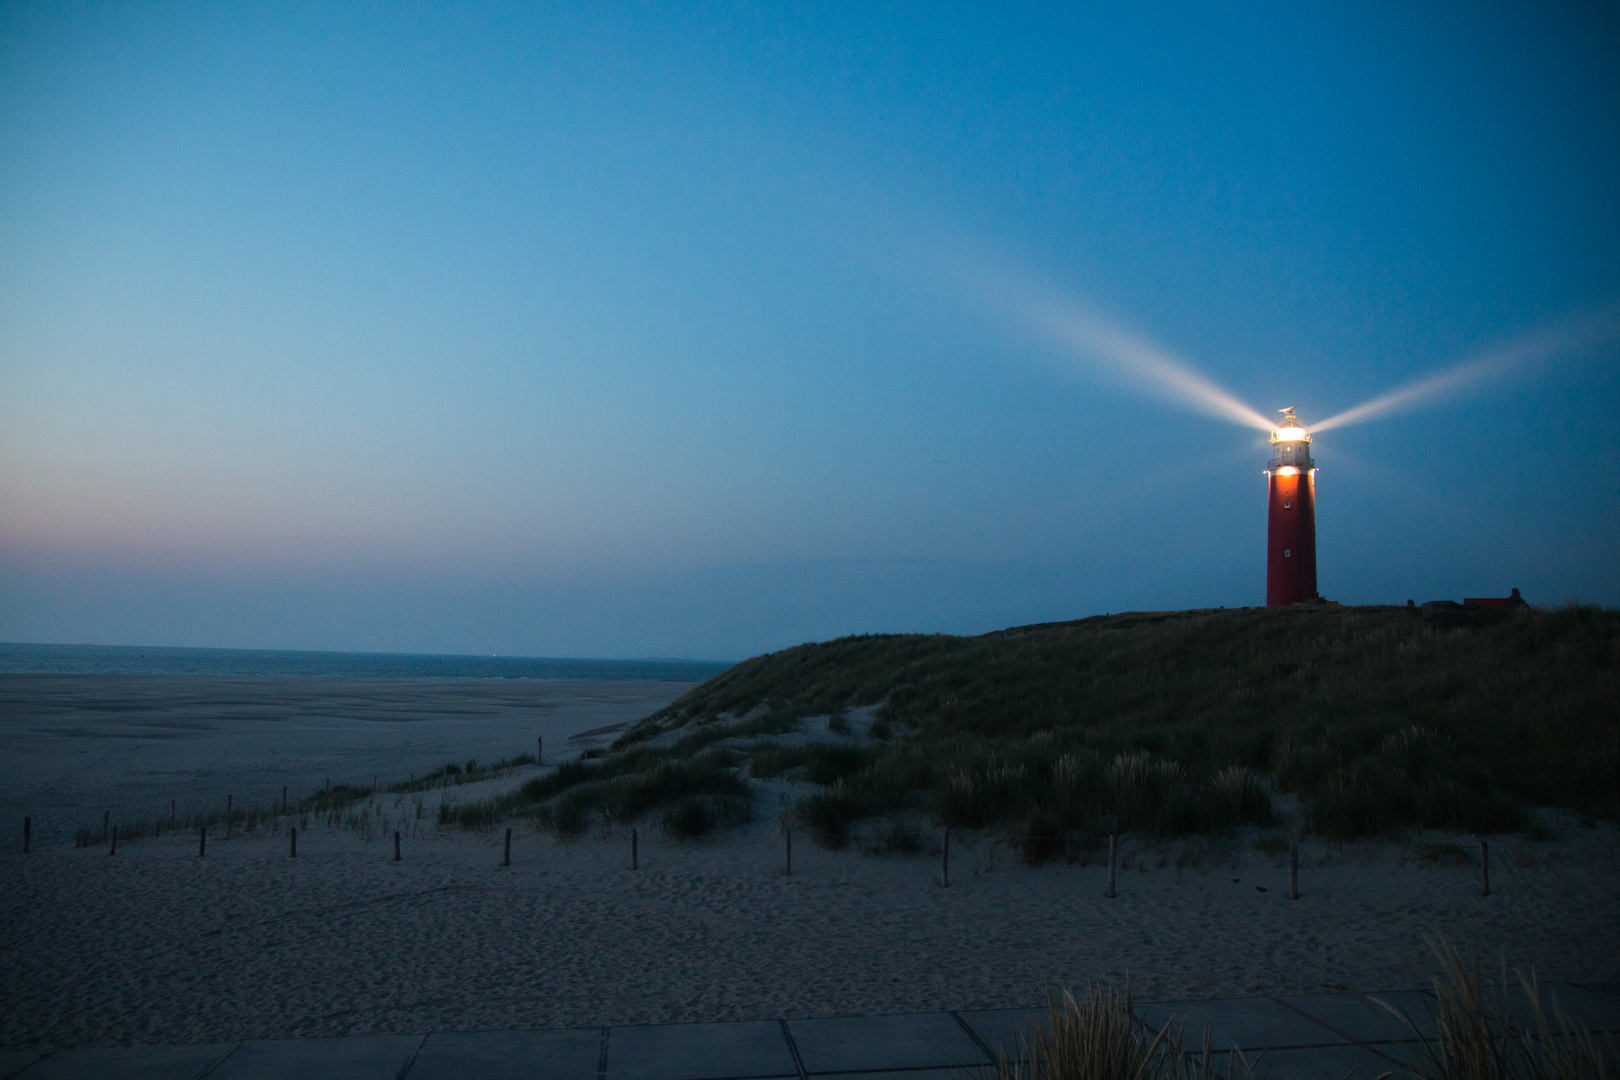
{"points": [[787, 845], [1113, 862], [202, 831], [787, 842]]}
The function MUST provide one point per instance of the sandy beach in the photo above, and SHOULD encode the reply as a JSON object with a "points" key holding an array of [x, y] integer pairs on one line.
{"points": [[73, 746], [156, 945]]}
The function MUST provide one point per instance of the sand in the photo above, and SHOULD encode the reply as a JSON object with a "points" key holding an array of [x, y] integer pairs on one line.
{"points": [[156, 945], [72, 746]]}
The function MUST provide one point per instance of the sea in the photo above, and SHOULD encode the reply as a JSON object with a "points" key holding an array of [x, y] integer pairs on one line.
{"points": [[89, 732], [26, 659]]}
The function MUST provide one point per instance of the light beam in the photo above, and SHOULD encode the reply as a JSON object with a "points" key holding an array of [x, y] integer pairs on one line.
{"points": [[1569, 336], [1085, 332]]}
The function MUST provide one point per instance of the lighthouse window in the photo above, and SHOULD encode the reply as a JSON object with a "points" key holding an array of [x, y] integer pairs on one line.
{"points": [[1288, 553], [1287, 504]]}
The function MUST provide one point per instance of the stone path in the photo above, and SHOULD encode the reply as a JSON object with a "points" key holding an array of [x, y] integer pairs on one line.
{"points": [[1327, 1037]]}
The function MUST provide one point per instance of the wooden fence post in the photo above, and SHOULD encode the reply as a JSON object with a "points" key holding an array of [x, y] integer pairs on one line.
{"points": [[539, 749], [396, 845], [507, 859], [1111, 892], [202, 841]]}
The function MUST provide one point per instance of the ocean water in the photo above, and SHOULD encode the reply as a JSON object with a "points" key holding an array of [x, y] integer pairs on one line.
{"points": [[87, 730], [22, 659]]}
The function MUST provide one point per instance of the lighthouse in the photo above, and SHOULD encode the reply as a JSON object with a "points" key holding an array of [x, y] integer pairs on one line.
{"points": [[1291, 519]]}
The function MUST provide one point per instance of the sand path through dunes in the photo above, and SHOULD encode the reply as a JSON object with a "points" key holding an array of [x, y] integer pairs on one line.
{"points": [[157, 945]]}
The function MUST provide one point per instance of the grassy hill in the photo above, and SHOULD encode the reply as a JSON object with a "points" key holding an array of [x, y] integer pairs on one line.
{"points": [[1377, 719]]}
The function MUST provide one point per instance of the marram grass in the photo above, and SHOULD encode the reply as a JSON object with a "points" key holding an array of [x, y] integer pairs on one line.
{"points": [[1096, 1037], [1481, 1036]]}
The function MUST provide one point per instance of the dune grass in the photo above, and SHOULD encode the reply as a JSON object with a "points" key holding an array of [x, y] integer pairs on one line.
{"points": [[453, 774], [1380, 719], [1096, 1037], [1481, 1037], [1478, 1035], [619, 788]]}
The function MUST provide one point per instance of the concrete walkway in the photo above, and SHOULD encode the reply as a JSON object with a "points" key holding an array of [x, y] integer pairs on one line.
{"points": [[1328, 1037]]}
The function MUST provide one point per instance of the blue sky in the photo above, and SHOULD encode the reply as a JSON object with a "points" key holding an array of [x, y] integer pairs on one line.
{"points": [[702, 331]]}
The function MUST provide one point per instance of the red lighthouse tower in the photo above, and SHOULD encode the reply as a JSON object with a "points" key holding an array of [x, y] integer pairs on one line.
{"points": [[1291, 522]]}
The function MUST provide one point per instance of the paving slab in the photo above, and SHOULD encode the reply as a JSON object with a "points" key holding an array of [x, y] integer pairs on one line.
{"points": [[1241, 1023], [1005, 1031], [1372, 1023], [1316, 1063], [358, 1057], [1594, 1012], [963, 1072], [128, 1062], [13, 1061], [876, 1043], [556, 1054], [729, 1051]]}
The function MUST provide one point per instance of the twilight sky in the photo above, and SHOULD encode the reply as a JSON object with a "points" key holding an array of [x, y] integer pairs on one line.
{"points": [[618, 330]]}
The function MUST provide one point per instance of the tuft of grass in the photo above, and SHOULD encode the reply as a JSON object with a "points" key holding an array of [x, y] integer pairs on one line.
{"points": [[453, 774], [896, 837], [1480, 1035], [698, 816], [1151, 795], [1237, 796], [1413, 776], [1097, 1038], [975, 797], [828, 815], [689, 818]]}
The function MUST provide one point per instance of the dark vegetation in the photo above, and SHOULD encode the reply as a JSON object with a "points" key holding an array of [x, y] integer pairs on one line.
{"points": [[1379, 719], [621, 788]]}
